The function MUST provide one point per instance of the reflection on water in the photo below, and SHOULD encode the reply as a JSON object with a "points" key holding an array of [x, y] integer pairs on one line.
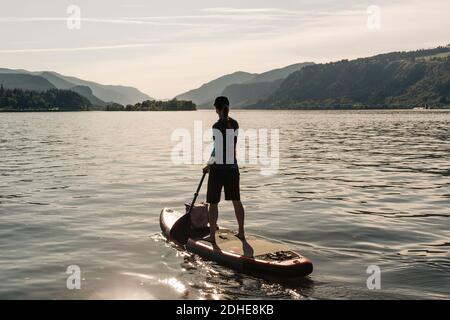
{"points": [[355, 188]]}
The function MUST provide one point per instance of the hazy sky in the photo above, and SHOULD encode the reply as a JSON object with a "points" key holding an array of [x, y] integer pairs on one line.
{"points": [[167, 47]]}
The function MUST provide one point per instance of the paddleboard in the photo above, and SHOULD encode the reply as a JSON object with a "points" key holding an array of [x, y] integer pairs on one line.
{"points": [[254, 255]]}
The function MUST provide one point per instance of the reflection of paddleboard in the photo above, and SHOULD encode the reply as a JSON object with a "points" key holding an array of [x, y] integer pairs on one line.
{"points": [[253, 255]]}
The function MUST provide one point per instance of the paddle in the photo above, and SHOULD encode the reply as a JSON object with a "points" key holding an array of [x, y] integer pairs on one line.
{"points": [[180, 230], [196, 193]]}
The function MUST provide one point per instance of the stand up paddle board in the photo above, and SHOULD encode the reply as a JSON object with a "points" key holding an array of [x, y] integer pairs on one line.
{"points": [[254, 255]]}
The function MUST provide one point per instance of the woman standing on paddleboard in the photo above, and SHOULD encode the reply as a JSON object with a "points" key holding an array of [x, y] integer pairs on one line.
{"points": [[223, 168]]}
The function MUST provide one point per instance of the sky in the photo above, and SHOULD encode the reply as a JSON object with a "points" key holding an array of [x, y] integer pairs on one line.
{"points": [[167, 47]]}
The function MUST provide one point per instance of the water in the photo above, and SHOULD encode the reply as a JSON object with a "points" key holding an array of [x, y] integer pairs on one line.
{"points": [[354, 189]]}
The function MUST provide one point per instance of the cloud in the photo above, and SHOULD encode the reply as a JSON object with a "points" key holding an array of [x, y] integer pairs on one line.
{"points": [[90, 48], [127, 20], [280, 12], [250, 10]]}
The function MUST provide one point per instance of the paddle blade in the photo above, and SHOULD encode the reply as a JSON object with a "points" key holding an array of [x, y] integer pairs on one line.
{"points": [[180, 231]]}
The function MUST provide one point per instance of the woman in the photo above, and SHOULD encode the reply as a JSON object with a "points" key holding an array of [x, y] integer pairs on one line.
{"points": [[223, 169]]}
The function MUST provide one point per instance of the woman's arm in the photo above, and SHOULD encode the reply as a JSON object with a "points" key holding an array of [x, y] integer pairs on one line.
{"points": [[212, 159]]}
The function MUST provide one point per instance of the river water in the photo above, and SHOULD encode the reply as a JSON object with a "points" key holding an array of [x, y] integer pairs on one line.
{"points": [[354, 189]]}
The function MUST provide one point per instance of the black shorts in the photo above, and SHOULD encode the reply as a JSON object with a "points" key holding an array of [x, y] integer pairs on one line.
{"points": [[226, 178]]}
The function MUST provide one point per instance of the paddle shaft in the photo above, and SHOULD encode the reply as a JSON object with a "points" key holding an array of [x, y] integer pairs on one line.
{"points": [[196, 193]]}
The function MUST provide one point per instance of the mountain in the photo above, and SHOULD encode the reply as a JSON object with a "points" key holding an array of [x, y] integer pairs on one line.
{"points": [[4, 70], [120, 94], [86, 92], [97, 93], [261, 86], [209, 91], [63, 84], [41, 81], [24, 81], [280, 73], [58, 82], [241, 87], [249, 93], [392, 80]]}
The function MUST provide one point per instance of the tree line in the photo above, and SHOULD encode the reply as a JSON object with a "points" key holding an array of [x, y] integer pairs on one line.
{"points": [[154, 105], [67, 100], [49, 100]]}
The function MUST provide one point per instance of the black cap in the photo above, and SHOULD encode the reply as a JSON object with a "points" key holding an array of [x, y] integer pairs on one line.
{"points": [[221, 102]]}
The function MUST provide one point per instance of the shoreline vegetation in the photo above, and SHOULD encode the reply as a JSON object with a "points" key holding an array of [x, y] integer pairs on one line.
{"points": [[346, 106], [56, 100], [154, 105]]}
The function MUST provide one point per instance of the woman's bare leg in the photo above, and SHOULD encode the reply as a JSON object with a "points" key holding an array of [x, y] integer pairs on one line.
{"points": [[213, 215], [240, 214]]}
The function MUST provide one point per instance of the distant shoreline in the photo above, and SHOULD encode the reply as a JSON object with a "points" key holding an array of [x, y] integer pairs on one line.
{"points": [[343, 109], [237, 109], [65, 111]]}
